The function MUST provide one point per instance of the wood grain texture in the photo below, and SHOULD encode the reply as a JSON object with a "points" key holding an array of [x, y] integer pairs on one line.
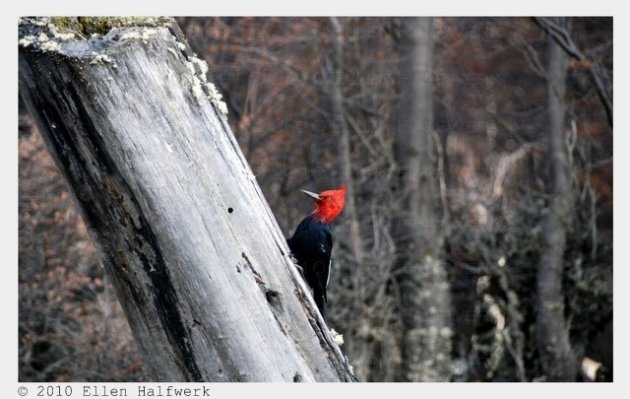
{"points": [[198, 261]]}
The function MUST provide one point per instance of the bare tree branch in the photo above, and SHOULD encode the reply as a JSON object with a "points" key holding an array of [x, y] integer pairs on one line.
{"points": [[563, 38]]}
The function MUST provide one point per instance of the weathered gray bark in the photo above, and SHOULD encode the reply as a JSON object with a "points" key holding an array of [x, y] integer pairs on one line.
{"points": [[197, 259], [424, 290], [551, 327]]}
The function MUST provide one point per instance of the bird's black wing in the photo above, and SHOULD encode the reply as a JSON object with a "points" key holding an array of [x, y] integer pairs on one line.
{"points": [[311, 246]]}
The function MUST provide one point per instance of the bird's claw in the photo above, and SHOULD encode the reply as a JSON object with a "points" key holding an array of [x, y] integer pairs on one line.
{"points": [[295, 263]]}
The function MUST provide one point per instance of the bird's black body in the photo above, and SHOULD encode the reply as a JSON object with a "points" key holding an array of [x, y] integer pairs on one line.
{"points": [[311, 246]]}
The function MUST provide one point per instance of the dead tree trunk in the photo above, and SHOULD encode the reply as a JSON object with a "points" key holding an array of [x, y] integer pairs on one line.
{"points": [[196, 256], [424, 290], [551, 327]]}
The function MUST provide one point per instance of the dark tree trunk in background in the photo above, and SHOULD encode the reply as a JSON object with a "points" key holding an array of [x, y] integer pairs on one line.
{"points": [[424, 290], [195, 254], [341, 129], [554, 346]]}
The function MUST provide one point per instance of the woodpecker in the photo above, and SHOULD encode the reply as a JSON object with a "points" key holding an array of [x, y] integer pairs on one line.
{"points": [[312, 241]]}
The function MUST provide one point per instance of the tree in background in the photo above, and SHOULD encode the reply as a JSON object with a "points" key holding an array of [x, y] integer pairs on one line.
{"points": [[554, 344], [424, 289]]}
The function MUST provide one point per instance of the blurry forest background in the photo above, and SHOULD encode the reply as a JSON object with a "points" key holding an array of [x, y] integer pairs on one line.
{"points": [[476, 244]]}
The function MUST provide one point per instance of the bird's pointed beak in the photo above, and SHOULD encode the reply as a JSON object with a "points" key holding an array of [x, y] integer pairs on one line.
{"points": [[311, 194]]}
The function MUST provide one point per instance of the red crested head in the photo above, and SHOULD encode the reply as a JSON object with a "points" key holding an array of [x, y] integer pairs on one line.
{"points": [[328, 204]]}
